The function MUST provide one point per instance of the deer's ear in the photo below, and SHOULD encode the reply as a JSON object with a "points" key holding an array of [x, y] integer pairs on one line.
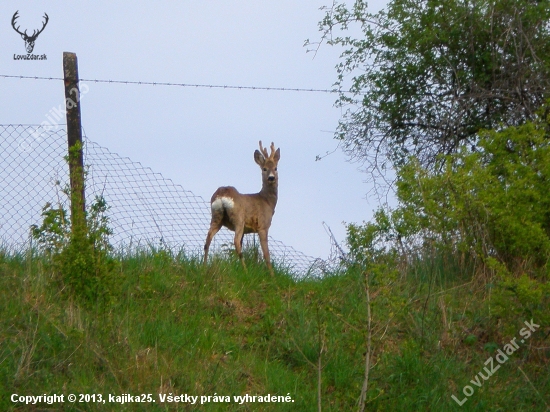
{"points": [[277, 155], [259, 158]]}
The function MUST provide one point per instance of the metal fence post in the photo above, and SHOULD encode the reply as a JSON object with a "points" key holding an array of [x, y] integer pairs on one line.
{"points": [[74, 138]]}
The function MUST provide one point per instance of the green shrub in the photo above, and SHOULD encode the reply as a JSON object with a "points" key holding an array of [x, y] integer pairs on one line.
{"points": [[490, 202], [485, 208], [79, 257]]}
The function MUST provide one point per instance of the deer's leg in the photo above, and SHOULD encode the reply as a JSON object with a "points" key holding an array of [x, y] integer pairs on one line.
{"points": [[239, 236], [215, 226], [265, 249]]}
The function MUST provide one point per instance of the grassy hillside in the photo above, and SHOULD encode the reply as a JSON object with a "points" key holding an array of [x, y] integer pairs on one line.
{"points": [[176, 328]]}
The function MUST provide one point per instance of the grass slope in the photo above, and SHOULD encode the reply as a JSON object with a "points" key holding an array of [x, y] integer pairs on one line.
{"points": [[178, 328]]}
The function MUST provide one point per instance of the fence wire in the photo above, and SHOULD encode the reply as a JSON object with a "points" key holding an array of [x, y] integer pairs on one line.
{"points": [[145, 209]]}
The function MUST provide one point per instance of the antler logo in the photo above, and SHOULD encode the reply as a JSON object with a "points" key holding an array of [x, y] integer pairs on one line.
{"points": [[29, 40]]}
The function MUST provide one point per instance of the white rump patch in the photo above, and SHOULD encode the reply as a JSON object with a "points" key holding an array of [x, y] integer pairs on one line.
{"points": [[223, 202]]}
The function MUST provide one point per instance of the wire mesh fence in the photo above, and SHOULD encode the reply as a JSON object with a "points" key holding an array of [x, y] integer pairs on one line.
{"points": [[145, 209]]}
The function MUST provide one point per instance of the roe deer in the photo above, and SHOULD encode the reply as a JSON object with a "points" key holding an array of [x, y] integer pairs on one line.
{"points": [[250, 213]]}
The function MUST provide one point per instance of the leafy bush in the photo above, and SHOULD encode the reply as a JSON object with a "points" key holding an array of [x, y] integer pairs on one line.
{"points": [[487, 207], [79, 256], [493, 201]]}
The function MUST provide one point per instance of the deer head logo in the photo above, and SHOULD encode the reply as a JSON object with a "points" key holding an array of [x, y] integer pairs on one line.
{"points": [[29, 40]]}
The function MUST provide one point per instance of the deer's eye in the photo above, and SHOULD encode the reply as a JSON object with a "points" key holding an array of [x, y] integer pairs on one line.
{"points": [[265, 169], [275, 169]]}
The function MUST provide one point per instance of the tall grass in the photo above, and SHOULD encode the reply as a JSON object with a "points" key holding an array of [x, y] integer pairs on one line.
{"points": [[176, 327]]}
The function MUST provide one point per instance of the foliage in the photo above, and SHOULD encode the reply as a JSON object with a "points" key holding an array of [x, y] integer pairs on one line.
{"points": [[77, 247], [486, 209], [424, 77], [492, 202], [79, 256], [522, 298]]}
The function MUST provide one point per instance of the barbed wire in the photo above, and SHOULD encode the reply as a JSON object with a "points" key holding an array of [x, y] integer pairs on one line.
{"points": [[190, 85]]}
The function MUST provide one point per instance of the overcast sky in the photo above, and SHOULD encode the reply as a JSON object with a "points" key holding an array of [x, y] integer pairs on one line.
{"points": [[200, 138]]}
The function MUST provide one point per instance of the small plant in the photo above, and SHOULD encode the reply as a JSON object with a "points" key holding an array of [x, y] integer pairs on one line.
{"points": [[79, 256]]}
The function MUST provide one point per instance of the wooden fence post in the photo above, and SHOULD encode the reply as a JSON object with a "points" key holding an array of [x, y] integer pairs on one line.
{"points": [[74, 138]]}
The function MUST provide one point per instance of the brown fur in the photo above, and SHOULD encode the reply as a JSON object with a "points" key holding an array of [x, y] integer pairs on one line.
{"points": [[251, 213]]}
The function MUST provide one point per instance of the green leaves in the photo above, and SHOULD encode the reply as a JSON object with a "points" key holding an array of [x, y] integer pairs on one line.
{"points": [[424, 77], [53, 234], [491, 203], [79, 258], [485, 212]]}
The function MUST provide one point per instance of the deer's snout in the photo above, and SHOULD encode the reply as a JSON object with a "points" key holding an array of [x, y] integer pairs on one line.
{"points": [[271, 178]]}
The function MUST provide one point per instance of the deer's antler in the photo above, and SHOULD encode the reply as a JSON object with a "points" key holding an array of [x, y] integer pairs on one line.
{"points": [[264, 151]]}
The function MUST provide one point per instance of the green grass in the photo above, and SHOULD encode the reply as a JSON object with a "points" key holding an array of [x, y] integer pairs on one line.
{"points": [[176, 327]]}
